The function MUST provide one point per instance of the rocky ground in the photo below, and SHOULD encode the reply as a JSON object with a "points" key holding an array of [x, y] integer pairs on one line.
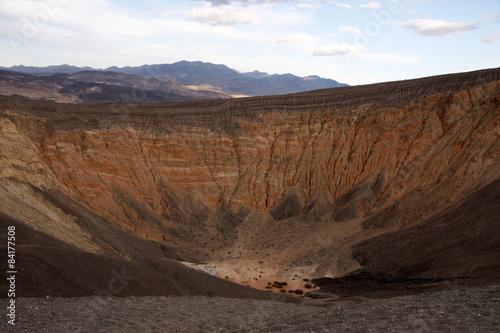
{"points": [[467, 310]]}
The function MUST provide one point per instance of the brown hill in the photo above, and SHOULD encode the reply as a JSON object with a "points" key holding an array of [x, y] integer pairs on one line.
{"points": [[399, 178]]}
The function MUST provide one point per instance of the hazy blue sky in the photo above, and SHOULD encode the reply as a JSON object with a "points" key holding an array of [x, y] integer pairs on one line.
{"points": [[355, 42]]}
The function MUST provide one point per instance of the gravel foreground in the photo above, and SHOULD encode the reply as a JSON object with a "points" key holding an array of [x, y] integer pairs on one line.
{"points": [[468, 310]]}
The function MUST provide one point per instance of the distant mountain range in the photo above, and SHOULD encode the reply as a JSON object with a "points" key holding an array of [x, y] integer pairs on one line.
{"points": [[183, 80], [90, 87], [230, 81]]}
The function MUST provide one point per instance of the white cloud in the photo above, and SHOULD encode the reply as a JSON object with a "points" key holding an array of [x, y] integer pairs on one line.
{"points": [[351, 30], [493, 38], [311, 4], [73, 17], [360, 53], [223, 15], [297, 43], [244, 2], [438, 27], [393, 58], [372, 5], [238, 14], [19, 8], [338, 49], [299, 37], [411, 3], [495, 16], [343, 5]]}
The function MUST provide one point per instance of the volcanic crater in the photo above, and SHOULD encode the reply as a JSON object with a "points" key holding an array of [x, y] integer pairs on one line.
{"points": [[376, 190]]}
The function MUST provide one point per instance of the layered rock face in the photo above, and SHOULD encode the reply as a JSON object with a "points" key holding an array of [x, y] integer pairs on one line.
{"points": [[351, 163]]}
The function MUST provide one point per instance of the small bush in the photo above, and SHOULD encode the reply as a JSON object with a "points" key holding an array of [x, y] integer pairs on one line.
{"points": [[299, 292], [282, 291], [291, 291], [308, 286], [305, 280]]}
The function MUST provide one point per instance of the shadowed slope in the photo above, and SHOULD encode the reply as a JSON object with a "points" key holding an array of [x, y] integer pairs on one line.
{"points": [[462, 241], [457, 247], [50, 267]]}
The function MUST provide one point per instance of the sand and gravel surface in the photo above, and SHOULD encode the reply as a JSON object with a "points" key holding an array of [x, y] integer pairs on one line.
{"points": [[468, 310]]}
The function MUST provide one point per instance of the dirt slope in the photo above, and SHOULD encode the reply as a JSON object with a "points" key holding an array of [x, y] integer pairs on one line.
{"points": [[50, 267]]}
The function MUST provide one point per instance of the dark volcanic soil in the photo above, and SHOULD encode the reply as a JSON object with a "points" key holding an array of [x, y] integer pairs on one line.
{"points": [[470, 310]]}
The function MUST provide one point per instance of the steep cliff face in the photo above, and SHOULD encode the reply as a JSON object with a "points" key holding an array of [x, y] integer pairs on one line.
{"points": [[206, 178]]}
